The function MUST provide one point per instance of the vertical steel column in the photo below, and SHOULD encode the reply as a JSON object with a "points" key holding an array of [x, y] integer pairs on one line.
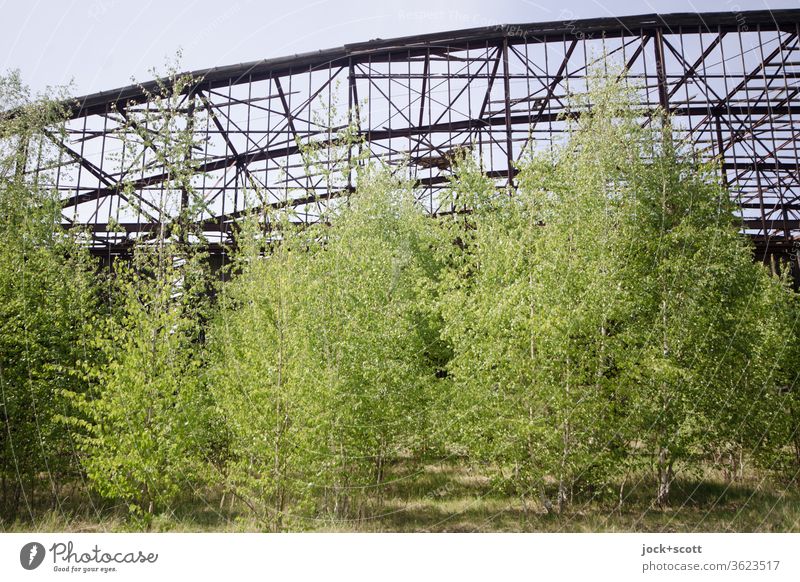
{"points": [[507, 98], [661, 72]]}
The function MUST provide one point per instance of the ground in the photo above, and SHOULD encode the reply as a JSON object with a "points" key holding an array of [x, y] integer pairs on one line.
{"points": [[451, 496]]}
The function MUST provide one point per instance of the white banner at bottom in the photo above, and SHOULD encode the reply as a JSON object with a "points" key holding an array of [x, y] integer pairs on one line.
{"points": [[389, 557]]}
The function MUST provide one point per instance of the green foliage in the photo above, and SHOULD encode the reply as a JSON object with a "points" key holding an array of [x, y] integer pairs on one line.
{"points": [[371, 320], [533, 316], [610, 313], [47, 302], [147, 442], [153, 436], [771, 423], [325, 354], [599, 320]]}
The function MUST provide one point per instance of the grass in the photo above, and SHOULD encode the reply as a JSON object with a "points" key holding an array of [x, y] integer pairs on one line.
{"points": [[454, 497]]}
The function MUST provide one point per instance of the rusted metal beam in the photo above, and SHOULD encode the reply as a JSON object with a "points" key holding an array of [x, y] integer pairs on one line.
{"points": [[441, 95]]}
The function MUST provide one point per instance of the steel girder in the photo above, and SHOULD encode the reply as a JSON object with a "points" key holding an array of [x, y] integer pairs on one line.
{"points": [[730, 81]]}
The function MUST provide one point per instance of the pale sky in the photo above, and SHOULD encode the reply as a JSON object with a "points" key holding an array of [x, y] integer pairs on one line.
{"points": [[103, 44]]}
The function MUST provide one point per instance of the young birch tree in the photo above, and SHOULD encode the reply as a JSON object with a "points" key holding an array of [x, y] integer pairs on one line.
{"points": [[48, 299]]}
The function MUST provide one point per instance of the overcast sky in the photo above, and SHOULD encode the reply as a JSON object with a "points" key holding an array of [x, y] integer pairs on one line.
{"points": [[103, 44]]}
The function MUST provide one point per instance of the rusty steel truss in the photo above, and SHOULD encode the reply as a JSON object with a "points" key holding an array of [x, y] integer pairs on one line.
{"points": [[730, 81]]}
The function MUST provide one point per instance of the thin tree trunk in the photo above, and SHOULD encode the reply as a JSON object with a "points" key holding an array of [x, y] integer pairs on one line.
{"points": [[797, 449], [32, 480], [664, 460], [665, 477], [562, 486], [280, 417], [740, 464], [15, 503]]}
